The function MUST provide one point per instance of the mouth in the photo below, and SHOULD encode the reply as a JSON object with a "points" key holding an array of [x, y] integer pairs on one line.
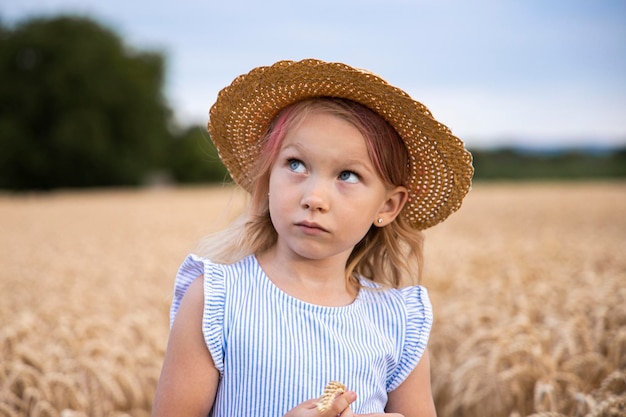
{"points": [[311, 227]]}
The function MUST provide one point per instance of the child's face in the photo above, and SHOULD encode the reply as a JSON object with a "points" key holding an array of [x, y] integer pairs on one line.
{"points": [[325, 193]]}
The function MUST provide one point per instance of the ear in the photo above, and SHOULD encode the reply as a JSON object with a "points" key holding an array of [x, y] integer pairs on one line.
{"points": [[393, 205]]}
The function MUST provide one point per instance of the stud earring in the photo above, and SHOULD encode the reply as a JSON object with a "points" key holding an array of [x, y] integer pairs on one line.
{"points": [[380, 220]]}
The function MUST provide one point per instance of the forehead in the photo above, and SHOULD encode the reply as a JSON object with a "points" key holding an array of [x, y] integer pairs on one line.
{"points": [[321, 128]]}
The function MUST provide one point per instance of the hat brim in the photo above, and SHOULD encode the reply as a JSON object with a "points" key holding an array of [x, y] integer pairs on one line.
{"points": [[440, 167]]}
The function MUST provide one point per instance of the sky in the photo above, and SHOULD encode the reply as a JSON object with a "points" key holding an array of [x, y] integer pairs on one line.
{"points": [[497, 72]]}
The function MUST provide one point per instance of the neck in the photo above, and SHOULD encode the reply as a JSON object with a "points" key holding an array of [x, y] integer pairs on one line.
{"points": [[319, 282]]}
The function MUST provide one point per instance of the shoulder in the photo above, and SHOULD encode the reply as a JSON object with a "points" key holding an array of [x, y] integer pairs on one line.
{"points": [[412, 299], [405, 312], [216, 277], [195, 265], [192, 302]]}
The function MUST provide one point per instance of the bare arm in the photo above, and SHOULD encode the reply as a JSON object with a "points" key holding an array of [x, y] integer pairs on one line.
{"points": [[414, 396], [189, 379]]}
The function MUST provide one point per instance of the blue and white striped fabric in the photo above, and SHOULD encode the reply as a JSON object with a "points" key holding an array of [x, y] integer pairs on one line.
{"points": [[274, 351]]}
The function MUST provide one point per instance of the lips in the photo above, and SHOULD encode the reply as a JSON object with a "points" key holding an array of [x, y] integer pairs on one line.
{"points": [[310, 227]]}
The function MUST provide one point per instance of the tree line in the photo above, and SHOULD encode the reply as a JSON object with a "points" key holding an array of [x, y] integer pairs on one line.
{"points": [[564, 164], [81, 108]]}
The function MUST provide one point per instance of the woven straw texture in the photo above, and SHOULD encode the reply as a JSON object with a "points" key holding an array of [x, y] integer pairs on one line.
{"points": [[441, 169]]}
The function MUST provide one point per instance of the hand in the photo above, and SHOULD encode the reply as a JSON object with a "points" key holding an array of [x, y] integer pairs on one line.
{"points": [[340, 407], [377, 415]]}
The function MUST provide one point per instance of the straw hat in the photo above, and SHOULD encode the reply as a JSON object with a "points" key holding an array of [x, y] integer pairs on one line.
{"points": [[440, 167]]}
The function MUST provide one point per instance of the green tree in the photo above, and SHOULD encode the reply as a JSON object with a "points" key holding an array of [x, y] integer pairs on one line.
{"points": [[78, 107]]}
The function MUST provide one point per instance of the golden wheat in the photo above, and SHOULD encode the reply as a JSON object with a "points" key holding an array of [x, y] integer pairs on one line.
{"points": [[331, 391], [527, 283]]}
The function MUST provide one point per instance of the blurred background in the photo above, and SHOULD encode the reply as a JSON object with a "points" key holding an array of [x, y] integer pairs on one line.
{"points": [[99, 99], [117, 93]]}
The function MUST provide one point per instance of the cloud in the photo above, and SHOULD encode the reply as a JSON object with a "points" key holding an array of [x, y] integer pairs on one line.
{"points": [[490, 69]]}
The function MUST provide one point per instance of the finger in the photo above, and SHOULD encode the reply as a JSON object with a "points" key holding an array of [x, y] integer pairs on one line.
{"points": [[306, 408], [378, 415], [342, 403], [347, 413]]}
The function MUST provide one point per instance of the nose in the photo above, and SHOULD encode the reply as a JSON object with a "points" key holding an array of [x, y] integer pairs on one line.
{"points": [[315, 196]]}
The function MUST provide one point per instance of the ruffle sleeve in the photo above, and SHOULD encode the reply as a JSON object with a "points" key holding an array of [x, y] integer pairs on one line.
{"points": [[419, 320], [214, 302]]}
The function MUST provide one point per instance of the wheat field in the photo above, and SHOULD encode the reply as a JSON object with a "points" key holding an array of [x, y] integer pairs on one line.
{"points": [[528, 283]]}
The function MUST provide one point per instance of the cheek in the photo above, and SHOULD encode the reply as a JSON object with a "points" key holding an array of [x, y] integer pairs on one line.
{"points": [[366, 203], [279, 194], [276, 179], [273, 185]]}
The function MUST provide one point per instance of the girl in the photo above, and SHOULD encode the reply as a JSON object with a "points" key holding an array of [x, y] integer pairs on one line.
{"points": [[318, 280]]}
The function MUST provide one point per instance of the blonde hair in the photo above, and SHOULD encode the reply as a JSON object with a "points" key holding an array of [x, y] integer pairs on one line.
{"points": [[390, 255]]}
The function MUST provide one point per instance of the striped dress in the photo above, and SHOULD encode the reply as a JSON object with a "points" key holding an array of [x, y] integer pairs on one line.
{"points": [[274, 351]]}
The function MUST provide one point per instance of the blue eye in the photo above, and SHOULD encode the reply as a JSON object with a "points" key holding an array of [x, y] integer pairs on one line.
{"points": [[349, 176], [295, 165]]}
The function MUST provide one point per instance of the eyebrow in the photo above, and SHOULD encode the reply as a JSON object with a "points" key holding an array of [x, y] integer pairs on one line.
{"points": [[289, 146]]}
